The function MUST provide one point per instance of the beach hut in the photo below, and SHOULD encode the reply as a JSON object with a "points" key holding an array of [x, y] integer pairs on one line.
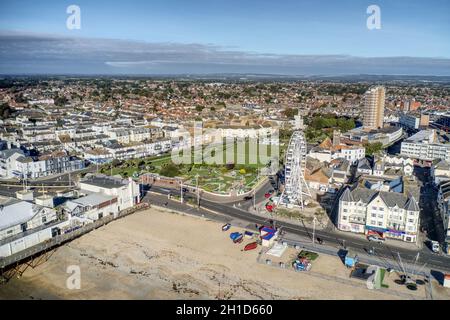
{"points": [[268, 236]]}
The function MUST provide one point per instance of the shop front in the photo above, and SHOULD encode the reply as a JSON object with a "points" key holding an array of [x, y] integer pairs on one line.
{"points": [[374, 231]]}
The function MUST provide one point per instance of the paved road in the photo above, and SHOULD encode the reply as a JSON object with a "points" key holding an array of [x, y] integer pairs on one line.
{"points": [[330, 238]]}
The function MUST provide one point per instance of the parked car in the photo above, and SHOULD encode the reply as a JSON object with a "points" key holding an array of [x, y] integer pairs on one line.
{"points": [[435, 246], [375, 239]]}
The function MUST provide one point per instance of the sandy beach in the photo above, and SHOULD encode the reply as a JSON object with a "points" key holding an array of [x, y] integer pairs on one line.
{"points": [[162, 255]]}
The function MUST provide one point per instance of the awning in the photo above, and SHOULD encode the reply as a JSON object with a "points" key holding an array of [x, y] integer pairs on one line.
{"points": [[381, 230]]}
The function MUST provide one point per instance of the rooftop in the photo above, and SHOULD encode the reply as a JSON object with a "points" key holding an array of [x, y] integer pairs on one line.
{"points": [[103, 181]]}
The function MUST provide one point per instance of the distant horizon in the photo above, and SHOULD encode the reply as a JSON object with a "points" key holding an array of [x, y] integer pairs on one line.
{"points": [[223, 74]]}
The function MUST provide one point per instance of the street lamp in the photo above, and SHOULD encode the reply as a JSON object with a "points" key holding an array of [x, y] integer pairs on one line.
{"points": [[181, 190], [198, 192], [314, 230]]}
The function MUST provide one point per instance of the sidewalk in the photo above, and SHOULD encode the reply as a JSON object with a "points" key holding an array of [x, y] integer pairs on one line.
{"points": [[262, 212]]}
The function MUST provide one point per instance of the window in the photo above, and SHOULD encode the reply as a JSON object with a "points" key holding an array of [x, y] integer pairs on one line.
{"points": [[374, 215], [345, 210], [411, 220], [381, 209], [373, 222], [380, 216], [44, 219], [344, 217], [380, 224]]}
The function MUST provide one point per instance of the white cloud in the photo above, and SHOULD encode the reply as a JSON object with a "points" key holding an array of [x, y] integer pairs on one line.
{"points": [[42, 53]]}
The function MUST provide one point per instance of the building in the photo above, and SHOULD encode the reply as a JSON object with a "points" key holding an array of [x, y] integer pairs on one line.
{"points": [[364, 167], [390, 165], [443, 122], [15, 164], [328, 151], [386, 214], [414, 122], [425, 146], [386, 136], [374, 108], [126, 191], [24, 224], [443, 200], [409, 121], [440, 171], [92, 207]]}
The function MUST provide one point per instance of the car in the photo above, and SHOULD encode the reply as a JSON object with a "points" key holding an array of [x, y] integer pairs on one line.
{"points": [[435, 246], [246, 198], [375, 239]]}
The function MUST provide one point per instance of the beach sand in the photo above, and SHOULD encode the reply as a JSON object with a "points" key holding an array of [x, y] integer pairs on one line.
{"points": [[161, 255]]}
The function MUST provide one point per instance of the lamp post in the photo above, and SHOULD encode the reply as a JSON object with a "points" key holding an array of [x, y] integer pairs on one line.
{"points": [[181, 190], [314, 230], [198, 193]]}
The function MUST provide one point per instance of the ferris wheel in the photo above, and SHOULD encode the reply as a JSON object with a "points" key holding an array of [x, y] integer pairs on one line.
{"points": [[295, 187]]}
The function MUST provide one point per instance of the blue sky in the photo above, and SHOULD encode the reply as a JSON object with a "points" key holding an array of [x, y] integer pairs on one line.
{"points": [[413, 28]]}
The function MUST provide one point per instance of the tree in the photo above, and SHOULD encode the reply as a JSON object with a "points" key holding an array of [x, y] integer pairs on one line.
{"points": [[5, 111], [290, 113], [199, 108], [373, 148], [116, 162], [169, 170], [60, 101]]}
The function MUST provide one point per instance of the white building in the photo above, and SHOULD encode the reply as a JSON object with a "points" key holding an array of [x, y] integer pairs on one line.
{"points": [[127, 192], [424, 145], [15, 164], [92, 207], [444, 207], [388, 214], [390, 165], [440, 171], [24, 224], [409, 121], [350, 153]]}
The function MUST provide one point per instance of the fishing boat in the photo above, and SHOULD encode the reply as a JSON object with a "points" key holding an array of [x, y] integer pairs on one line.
{"points": [[248, 234], [251, 246], [234, 235], [239, 238], [226, 227]]}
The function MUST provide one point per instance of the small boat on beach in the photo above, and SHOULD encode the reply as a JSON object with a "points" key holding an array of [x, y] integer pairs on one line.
{"points": [[251, 246], [239, 239], [226, 227], [234, 235]]}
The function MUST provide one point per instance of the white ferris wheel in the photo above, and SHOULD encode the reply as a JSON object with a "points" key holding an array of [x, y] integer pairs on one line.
{"points": [[295, 187]]}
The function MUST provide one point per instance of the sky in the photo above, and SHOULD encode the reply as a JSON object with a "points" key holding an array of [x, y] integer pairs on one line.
{"points": [[300, 37]]}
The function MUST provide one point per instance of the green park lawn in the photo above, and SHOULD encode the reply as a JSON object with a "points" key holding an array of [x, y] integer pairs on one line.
{"points": [[219, 178]]}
